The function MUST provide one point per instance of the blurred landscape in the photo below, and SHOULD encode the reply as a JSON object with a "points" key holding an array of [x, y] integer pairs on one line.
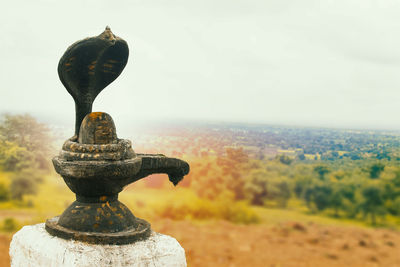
{"points": [[256, 195], [287, 112]]}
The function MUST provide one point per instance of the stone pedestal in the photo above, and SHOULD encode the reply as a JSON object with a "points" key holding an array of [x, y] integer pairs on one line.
{"points": [[33, 246]]}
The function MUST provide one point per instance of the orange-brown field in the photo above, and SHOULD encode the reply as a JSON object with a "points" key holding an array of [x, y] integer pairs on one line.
{"points": [[222, 243]]}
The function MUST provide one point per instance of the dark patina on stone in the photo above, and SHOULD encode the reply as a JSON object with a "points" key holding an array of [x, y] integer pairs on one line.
{"points": [[95, 164]]}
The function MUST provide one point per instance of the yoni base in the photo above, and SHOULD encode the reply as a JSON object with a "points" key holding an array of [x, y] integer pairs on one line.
{"points": [[33, 246]]}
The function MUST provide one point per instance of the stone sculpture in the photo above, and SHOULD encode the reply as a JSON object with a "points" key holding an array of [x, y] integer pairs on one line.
{"points": [[95, 163]]}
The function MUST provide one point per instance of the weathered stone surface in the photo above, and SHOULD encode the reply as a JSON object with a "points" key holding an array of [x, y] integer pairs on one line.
{"points": [[88, 66], [97, 128], [33, 246], [94, 163]]}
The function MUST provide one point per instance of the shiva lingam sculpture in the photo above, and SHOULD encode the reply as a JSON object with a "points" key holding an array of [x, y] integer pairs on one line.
{"points": [[94, 163]]}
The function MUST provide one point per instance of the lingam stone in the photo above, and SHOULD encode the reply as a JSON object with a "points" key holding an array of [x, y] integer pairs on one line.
{"points": [[97, 229]]}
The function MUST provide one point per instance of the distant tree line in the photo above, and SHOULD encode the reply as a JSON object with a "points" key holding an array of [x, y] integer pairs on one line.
{"points": [[367, 190], [25, 146]]}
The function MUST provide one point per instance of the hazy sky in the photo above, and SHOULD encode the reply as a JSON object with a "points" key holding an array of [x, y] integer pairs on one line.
{"points": [[322, 63]]}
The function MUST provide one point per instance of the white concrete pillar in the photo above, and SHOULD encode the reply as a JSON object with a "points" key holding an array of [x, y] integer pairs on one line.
{"points": [[32, 246]]}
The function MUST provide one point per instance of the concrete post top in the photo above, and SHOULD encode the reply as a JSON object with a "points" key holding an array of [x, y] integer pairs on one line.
{"points": [[33, 246]]}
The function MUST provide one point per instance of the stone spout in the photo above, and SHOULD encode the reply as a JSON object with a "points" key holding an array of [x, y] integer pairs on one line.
{"points": [[176, 169]]}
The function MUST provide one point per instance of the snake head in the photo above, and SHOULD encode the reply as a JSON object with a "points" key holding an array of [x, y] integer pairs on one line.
{"points": [[88, 66]]}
